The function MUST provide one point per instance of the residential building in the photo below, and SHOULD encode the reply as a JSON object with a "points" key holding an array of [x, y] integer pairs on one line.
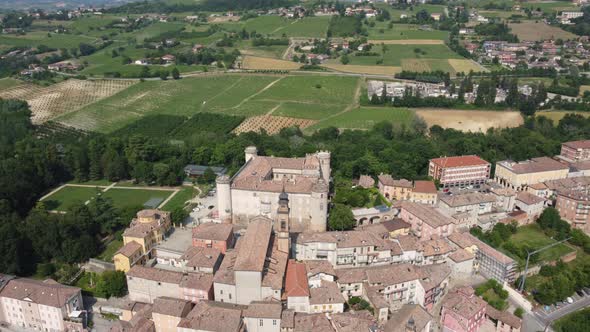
{"points": [[297, 287], [426, 221], [432, 284], [505, 198], [459, 171], [148, 229], [575, 151], [213, 316], [394, 189], [41, 305], [198, 259], [214, 235], [167, 313], [354, 321], [254, 190], [411, 317], [503, 320], [462, 311], [574, 207], [318, 271], [366, 181], [392, 228], [462, 264], [520, 175], [255, 270], [145, 284], [351, 281], [436, 251], [326, 298], [424, 192], [263, 317], [470, 204], [305, 322], [397, 284], [532, 205]]}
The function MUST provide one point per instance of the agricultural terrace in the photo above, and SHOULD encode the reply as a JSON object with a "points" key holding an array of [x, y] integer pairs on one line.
{"points": [[534, 31], [271, 124], [68, 96]]}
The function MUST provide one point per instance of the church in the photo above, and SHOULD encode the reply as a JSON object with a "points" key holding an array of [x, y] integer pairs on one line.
{"points": [[255, 189]]}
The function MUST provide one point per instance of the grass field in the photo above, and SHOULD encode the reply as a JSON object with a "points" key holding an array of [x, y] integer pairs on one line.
{"points": [[8, 82], [533, 31], [255, 62], [558, 115], [376, 70], [37, 38], [313, 27], [533, 237], [474, 121], [67, 197], [179, 200], [404, 31], [367, 117], [134, 197], [395, 54], [465, 65], [311, 89]]}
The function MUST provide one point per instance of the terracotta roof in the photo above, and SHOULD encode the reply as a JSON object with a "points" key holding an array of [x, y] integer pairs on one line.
{"points": [[351, 276], [327, 293], [395, 224], [311, 323], [346, 239], [391, 274], [461, 255], [129, 249], [366, 181], [489, 251], [201, 257], [225, 273], [585, 144], [534, 165], [410, 242], [503, 316], [214, 316], [154, 274], [432, 276], [275, 268], [255, 242], [471, 198], [436, 247], [319, 266], [354, 321], [427, 187], [409, 315], [459, 161], [296, 283], [213, 231], [463, 304], [200, 281], [461, 240], [171, 306], [47, 292], [288, 319], [264, 309], [528, 198], [389, 181], [426, 213]]}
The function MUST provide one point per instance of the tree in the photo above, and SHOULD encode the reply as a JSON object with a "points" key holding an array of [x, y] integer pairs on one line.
{"points": [[163, 75], [178, 215], [111, 283], [341, 218], [175, 73], [344, 59], [209, 176], [519, 312]]}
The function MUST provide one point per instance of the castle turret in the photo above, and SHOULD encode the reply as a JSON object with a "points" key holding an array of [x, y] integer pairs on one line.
{"points": [[224, 198], [324, 157], [250, 152], [282, 223], [318, 206]]}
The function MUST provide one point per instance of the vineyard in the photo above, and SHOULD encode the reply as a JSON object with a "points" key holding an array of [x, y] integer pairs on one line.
{"points": [[271, 124], [68, 96]]}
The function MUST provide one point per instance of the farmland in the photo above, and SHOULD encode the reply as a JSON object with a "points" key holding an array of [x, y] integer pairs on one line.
{"points": [[474, 121], [381, 31], [378, 70], [254, 62], [533, 31], [313, 27], [67, 96], [366, 117], [271, 124], [395, 55]]}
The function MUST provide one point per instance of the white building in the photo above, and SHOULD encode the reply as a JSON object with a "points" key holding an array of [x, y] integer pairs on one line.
{"points": [[254, 190]]}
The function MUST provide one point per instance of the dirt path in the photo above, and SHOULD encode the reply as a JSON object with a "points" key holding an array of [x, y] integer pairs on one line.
{"points": [[221, 92], [168, 199], [257, 93], [273, 109]]}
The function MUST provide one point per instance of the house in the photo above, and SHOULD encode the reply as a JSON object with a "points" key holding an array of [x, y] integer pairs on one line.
{"points": [[520, 175], [326, 298], [459, 171], [196, 171], [145, 231], [366, 181], [424, 192], [503, 320], [426, 221], [263, 316], [168, 58], [462, 263], [198, 259], [436, 16], [167, 313], [145, 284], [462, 311], [40, 305], [432, 284], [531, 204], [297, 287], [319, 270], [214, 317], [394, 189], [436, 251], [411, 317], [197, 48], [142, 62], [214, 235]]}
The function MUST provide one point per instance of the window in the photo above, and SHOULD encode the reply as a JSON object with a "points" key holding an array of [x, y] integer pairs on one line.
{"points": [[229, 296], [274, 322], [221, 292], [261, 322]]}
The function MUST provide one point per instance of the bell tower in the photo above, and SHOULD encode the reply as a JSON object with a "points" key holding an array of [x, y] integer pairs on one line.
{"points": [[282, 226]]}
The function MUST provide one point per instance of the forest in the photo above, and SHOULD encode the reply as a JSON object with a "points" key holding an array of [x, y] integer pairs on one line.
{"points": [[32, 164]]}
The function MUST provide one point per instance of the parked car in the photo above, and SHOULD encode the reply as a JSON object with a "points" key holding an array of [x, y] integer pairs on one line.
{"points": [[581, 293], [569, 300]]}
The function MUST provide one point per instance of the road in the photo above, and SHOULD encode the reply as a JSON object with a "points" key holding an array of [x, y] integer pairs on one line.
{"points": [[539, 319]]}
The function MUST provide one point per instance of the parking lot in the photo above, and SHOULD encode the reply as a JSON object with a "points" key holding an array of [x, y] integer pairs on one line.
{"points": [[205, 206], [547, 314]]}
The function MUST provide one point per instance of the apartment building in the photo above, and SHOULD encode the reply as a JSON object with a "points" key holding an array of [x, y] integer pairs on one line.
{"points": [[41, 305], [532, 205], [261, 316], [575, 151], [459, 171], [145, 284], [145, 231], [411, 317], [574, 207], [520, 175], [167, 313], [213, 316], [471, 204], [404, 190], [214, 235], [462, 311], [426, 221]]}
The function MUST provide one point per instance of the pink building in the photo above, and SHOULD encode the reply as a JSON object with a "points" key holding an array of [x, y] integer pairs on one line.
{"points": [[576, 150], [427, 222], [574, 207], [213, 235], [462, 311], [459, 171]]}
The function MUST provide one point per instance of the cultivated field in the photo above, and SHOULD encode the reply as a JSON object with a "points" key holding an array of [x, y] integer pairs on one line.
{"points": [[534, 31], [375, 70], [407, 42], [68, 96], [381, 31], [367, 117], [465, 65], [254, 62], [271, 124], [474, 121]]}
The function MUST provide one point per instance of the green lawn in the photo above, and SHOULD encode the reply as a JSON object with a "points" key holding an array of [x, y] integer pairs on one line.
{"points": [[37, 38], [394, 54], [533, 237], [8, 82], [134, 197], [180, 198], [110, 250], [403, 31], [313, 27], [307, 111], [312, 89], [68, 197], [367, 117]]}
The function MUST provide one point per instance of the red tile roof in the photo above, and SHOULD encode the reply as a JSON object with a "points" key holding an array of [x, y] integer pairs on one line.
{"points": [[459, 161], [425, 187], [585, 144], [296, 281]]}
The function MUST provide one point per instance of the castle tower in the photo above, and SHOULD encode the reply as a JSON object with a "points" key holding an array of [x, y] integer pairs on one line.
{"points": [[324, 157], [250, 152], [224, 198], [282, 225], [318, 206]]}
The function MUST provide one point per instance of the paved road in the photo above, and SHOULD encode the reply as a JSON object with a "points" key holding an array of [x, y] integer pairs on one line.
{"points": [[541, 319]]}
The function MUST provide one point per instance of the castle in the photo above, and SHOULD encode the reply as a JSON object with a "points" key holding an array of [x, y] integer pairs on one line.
{"points": [[255, 189]]}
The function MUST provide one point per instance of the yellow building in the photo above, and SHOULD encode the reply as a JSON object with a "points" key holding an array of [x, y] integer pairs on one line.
{"points": [[145, 231], [520, 175]]}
